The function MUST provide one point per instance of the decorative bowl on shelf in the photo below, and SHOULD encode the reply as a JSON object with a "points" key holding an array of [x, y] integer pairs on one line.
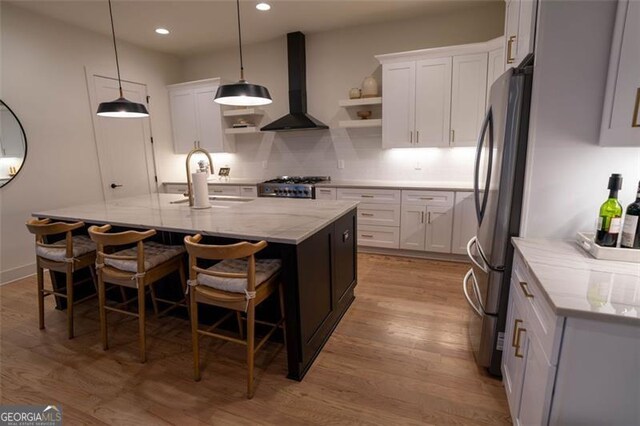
{"points": [[364, 114]]}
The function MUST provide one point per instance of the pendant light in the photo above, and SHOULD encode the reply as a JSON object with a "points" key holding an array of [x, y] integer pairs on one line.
{"points": [[121, 107], [242, 93]]}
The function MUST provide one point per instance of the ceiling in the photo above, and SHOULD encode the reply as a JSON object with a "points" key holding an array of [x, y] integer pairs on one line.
{"points": [[198, 26]]}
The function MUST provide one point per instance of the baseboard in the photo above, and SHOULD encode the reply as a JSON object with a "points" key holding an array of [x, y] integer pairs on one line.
{"points": [[451, 257], [14, 274]]}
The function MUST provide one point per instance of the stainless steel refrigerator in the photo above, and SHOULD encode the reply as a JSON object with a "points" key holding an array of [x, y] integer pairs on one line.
{"points": [[498, 186]]}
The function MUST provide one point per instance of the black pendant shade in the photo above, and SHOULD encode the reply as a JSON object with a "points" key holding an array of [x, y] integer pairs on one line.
{"points": [[121, 107], [242, 93]]}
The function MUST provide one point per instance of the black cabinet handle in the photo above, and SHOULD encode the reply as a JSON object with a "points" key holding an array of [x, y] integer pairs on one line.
{"points": [[115, 185]]}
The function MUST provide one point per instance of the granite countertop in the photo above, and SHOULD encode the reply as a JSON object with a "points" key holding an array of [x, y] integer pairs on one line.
{"points": [[399, 184], [214, 181], [578, 285], [275, 220]]}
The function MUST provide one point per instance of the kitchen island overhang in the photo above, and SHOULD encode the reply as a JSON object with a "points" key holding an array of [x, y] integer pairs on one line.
{"points": [[314, 238]]}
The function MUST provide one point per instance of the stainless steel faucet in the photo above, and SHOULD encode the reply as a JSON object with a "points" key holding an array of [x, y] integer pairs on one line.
{"points": [[188, 166]]}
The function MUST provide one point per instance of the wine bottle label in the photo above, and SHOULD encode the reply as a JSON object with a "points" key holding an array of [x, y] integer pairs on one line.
{"points": [[629, 230], [614, 226]]}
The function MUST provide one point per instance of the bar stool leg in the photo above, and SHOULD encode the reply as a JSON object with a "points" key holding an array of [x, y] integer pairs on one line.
{"points": [[154, 303], [69, 279], [183, 283], [40, 297], [284, 328], [141, 320], [193, 308], [103, 312], [240, 327], [251, 318]]}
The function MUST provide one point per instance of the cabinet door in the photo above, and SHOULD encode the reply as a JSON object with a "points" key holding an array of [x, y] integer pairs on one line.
{"points": [[438, 231], [495, 69], [526, 29], [621, 116], [468, 98], [433, 102], [512, 15], [412, 227], [183, 120], [537, 386], [398, 105], [465, 223], [209, 119], [514, 353], [325, 193]]}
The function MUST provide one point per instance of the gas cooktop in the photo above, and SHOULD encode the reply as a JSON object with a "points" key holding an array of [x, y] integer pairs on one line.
{"points": [[291, 186]]}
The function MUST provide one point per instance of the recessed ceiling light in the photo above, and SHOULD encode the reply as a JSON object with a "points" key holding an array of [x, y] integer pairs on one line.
{"points": [[162, 31], [263, 6]]}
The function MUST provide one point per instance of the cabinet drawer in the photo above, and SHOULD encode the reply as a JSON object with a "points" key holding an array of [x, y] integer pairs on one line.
{"points": [[325, 193], [224, 190], [379, 214], [390, 196], [249, 191], [379, 236], [175, 188], [542, 322], [428, 198]]}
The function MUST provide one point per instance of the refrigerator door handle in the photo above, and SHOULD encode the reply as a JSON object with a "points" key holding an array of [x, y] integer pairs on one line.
{"points": [[465, 288], [480, 207], [471, 242]]}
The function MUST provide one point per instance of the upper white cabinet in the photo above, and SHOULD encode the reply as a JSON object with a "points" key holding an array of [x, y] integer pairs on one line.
{"points": [[495, 68], [468, 98], [435, 97], [519, 30], [621, 113], [196, 119], [398, 92]]}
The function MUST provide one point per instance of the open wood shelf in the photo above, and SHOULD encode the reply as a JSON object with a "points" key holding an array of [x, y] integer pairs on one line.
{"points": [[360, 102], [361, 123]]}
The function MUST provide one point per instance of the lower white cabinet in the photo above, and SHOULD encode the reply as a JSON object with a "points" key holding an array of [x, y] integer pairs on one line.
{"points": [[378, 236], [326, 194], [426, 220], [514, 352], [247, 191], [438, 230], [413, 229], [465, 223]]}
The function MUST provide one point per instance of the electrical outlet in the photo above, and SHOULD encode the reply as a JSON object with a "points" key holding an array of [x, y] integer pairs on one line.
{"points": [[341, 164], [418, 166]]}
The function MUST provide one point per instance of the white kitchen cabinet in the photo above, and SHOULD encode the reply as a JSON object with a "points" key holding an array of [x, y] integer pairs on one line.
{"points": [[378, 236], [438, 229], [413, 227], [433, 102], [538, 376], [379, 214], [495, 68], [468, 98], [326, 194], [621, 113], [398, 106], [514, 352], [196, 119], [519, 30], [465, 222]]}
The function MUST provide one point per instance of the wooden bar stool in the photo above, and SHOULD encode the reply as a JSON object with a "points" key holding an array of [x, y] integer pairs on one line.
{"points": [[136, 267], [238, 282], [66, 256]]}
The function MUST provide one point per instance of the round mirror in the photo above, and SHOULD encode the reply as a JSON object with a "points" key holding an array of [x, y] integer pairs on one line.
{"points": [[13, 144]]}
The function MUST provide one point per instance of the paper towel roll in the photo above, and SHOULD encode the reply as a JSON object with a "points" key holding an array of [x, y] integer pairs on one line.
{"points": [[200, 190]]}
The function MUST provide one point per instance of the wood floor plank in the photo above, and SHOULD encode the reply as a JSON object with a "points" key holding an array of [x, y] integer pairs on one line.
{"points": [[400, 355]]}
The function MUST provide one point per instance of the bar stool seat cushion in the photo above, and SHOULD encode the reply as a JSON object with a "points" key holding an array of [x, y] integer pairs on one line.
{"points": [[265, 269], [81, 245], [154, 255]]}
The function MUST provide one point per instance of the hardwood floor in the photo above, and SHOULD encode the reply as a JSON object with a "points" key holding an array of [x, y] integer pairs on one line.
{"points": [[400, 356]]}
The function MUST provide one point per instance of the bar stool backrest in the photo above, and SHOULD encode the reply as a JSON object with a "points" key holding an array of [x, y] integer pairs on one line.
{"points": [[100, 235], [44, 227]]}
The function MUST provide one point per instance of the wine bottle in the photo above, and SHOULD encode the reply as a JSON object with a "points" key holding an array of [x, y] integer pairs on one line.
{"points": [[630, 229], [610, 215]]}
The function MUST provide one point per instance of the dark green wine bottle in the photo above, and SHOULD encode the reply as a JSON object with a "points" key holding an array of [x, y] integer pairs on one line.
{"points": [[631, 229], [610, 215]]}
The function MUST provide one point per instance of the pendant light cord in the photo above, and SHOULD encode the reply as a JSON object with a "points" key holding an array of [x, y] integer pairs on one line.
{"points": [[239, 40], [115, 48]]}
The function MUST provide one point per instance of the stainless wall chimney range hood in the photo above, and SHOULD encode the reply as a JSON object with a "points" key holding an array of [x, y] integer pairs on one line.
{"points": [[297, 119]]}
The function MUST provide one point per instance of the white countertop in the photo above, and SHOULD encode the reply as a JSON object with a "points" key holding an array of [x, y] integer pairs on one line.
{"points": [[214, 181], [578, 285], [275, 220], [399, 184]]}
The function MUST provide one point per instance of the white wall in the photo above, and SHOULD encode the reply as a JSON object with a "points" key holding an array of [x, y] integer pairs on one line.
{"points": [[43, 81], [336, 61], [567, 170]]}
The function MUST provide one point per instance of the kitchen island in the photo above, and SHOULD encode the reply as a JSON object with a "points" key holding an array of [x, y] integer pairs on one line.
{"points": [[314, 239]]}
